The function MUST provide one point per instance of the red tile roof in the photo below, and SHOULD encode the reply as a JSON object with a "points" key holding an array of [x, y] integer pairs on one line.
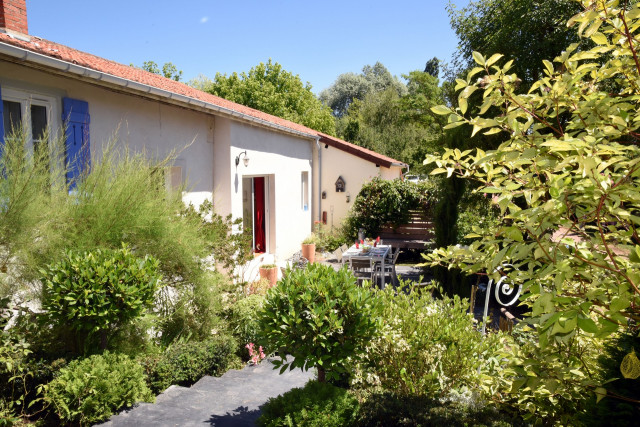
{"points": [[73, 56]]}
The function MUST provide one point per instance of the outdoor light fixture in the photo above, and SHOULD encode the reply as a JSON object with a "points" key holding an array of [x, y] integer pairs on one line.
{"points": [[245, 160]]}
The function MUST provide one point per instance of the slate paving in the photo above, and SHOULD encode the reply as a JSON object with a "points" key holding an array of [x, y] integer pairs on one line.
{"points": [[233, 399]]}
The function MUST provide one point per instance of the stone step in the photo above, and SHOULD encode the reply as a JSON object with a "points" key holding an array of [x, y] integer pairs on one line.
{"points": [[232, 399]]}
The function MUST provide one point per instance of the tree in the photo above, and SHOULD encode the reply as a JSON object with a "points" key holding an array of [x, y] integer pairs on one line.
{"points": [[432, 67], [399, 126], [273, 90], [526, 30], [350, 86], [567, 190], [169, 70]]}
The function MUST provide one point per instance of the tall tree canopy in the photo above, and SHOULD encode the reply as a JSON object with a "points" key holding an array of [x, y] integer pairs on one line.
{"points": [[350, 86], [270, 88], [527, 31], [399, 125]]}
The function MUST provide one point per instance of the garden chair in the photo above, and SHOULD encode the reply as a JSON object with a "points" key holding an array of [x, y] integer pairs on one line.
{"points": [[338, 254], [363, 269], [389, 267]]}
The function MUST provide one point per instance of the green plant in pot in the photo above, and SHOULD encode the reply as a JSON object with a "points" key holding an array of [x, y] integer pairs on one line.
{"points": [[309, 248], [270, 273]]}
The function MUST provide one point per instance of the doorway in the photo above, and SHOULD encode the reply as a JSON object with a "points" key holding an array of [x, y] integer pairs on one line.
{"points": [[255, 212]]}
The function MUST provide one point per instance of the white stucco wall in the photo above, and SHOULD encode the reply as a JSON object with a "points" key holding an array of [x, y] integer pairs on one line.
{"points": [[142, 124], [355, 171], [281, 158]]}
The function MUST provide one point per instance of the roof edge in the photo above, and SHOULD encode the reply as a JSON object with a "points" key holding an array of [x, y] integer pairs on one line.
{"points": [[60, 65], [362, 152]]}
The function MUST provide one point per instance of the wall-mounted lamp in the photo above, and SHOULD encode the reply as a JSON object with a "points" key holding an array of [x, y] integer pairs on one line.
{"points": [[348, 197], [245, 160]]}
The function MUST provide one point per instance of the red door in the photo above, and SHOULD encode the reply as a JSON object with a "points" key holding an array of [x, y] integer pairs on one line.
{"points": [[259, 216]]}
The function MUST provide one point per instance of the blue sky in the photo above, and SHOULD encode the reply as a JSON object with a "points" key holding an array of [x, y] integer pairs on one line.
{"points": [[316, 39]]}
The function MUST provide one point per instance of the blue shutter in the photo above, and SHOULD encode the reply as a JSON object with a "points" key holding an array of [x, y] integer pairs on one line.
{"points": [[75, 115]]}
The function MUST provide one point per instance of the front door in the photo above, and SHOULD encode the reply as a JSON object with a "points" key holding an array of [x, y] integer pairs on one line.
{"points": [[254, 200]]}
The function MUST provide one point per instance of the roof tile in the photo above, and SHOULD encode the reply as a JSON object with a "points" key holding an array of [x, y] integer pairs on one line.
{"points": [[67, 54]]}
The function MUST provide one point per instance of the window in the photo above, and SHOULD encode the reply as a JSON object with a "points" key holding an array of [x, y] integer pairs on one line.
{"points": [[305, 190], [31, 114]]}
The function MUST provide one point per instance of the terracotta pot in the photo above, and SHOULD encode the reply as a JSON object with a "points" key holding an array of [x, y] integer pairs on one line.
{"points": [[271, 274], [309, 251]]}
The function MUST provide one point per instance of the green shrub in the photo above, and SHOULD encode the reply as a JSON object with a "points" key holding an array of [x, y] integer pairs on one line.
{"points": [[123, 198], [620, 407], [328, 240], [97, 291], [243, 319], [388, 409], [429, 347], [185, 362], [387, 201], [317, 404], [92, 389], [320, 317]]}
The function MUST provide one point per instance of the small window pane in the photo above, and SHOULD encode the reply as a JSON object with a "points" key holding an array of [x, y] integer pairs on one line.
{"points": [[38, 122], [12, 117]]}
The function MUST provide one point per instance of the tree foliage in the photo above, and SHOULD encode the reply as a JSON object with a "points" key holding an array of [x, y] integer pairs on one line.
{"points": [[273, 90], [525, 30], [349, 87], [567, 189], [169, 70], [397, 125]]}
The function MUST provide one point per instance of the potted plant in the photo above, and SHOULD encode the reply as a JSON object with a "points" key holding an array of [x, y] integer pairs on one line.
{"points": [[309, 248], [270, 273]]}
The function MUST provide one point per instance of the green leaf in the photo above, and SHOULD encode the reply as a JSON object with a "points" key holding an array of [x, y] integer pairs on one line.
{"points": [[441, 110], [478, 58], [587, 325]]}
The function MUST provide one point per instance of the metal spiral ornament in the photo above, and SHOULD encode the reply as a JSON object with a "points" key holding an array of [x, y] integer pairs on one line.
{"points": [[501, 287]]}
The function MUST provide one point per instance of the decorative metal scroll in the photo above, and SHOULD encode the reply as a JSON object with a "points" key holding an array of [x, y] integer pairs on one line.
{"points": [[501, 287]]}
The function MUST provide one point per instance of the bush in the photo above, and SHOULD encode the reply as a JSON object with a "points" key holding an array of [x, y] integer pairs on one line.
{"points": [[387, 409], [243, 319], [317, 404], [328, 240], [320, 317], [620, 406], [429, 347], [185, 362], [92, 389], [97, 291], [387, 201]]}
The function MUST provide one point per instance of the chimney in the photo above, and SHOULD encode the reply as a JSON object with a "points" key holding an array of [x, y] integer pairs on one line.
{"points": [[13, 17]]}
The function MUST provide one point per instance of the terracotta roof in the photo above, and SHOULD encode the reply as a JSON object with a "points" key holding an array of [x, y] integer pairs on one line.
{"points": [[83, 59]]}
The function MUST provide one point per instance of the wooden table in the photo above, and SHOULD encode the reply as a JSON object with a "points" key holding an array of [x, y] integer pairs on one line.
{"points": [[377, 254]]}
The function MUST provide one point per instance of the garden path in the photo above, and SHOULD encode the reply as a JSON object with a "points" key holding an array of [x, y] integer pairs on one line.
{"points": [[233, 399]]}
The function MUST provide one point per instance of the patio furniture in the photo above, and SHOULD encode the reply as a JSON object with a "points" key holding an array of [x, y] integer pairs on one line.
{"points": [[372, 256], [338, 254], [389, 268], [363, 269]]}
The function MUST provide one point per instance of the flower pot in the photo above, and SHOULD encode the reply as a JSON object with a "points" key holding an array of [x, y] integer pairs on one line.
{"points": [[309, 251], [271, 274]]}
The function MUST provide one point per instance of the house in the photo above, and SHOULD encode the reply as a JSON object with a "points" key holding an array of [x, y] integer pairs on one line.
{"points": [[277, 175]]}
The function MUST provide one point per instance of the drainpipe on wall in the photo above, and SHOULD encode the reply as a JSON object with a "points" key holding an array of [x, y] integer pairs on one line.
{"points": [[319, 147]]}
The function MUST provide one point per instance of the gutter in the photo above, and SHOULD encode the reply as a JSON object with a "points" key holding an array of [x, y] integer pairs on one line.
{"points": [[67, 67], [319, 146]]}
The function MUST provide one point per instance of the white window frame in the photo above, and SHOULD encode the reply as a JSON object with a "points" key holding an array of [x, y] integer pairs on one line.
{"points": [[26, 100]]}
